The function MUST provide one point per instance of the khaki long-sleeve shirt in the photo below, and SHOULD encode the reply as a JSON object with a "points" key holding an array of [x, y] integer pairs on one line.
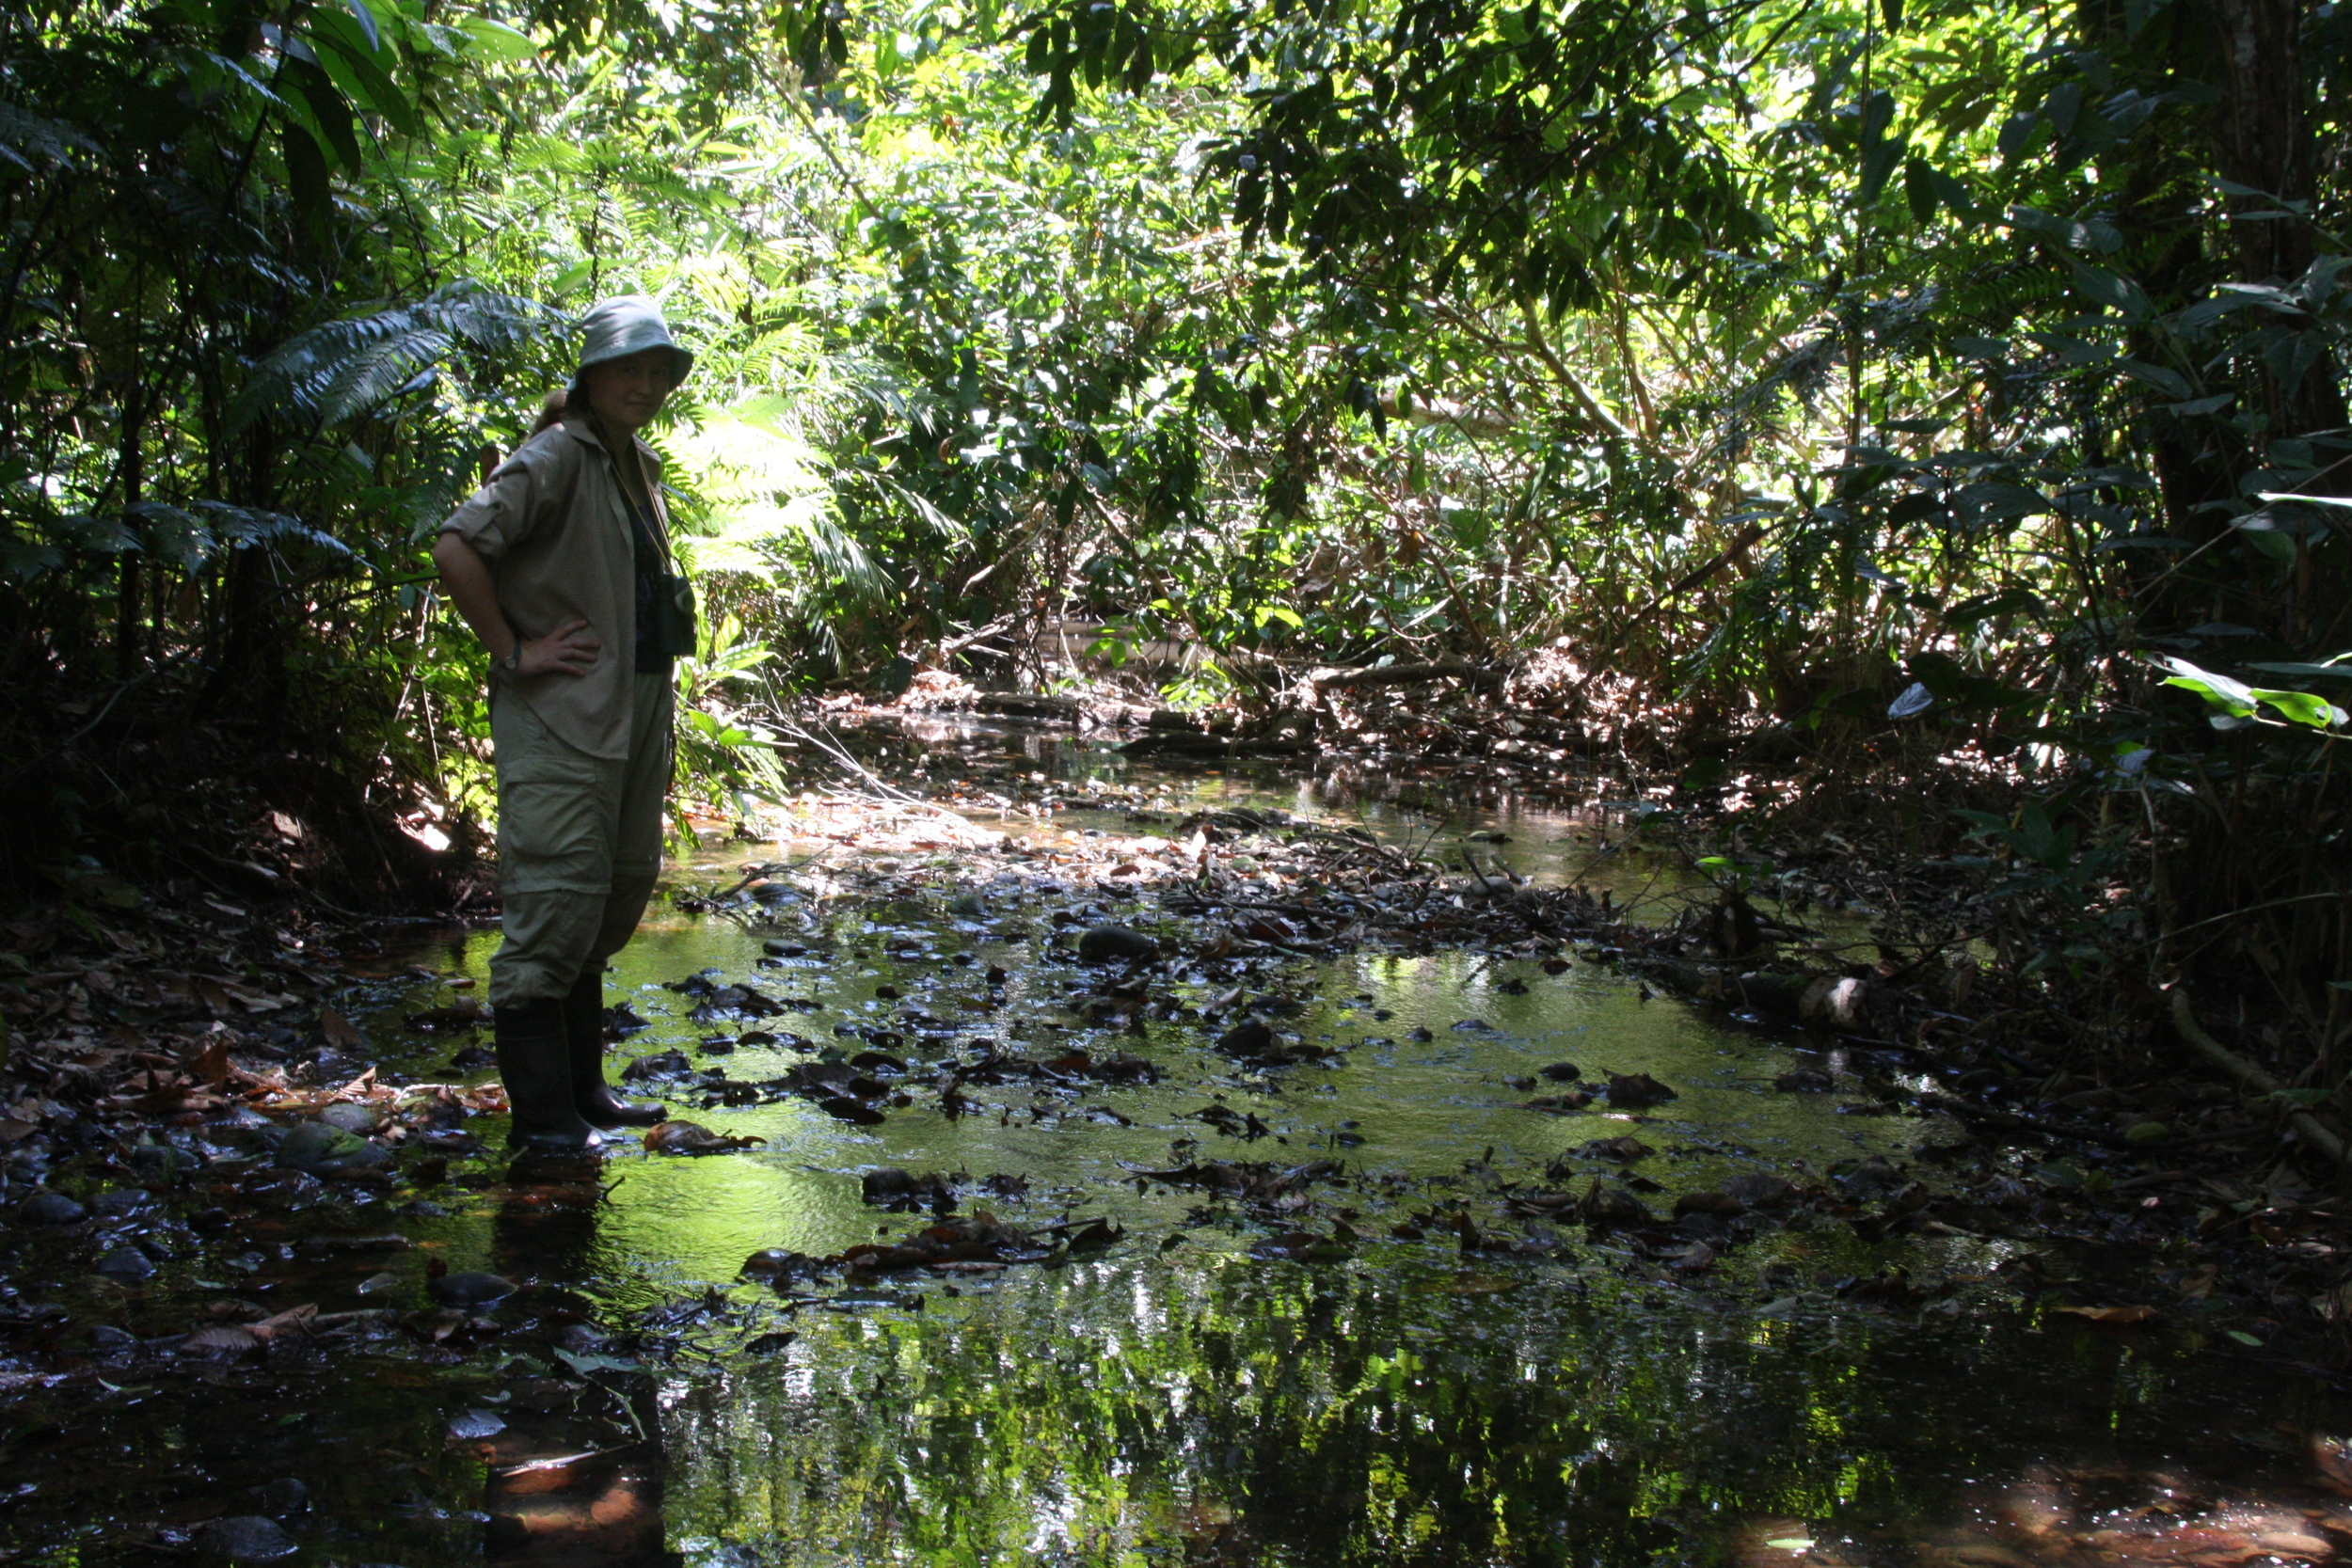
{"points": [[551, 522]]}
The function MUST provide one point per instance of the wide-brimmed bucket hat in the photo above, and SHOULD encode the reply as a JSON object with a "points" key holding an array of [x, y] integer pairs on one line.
{"points": [[626, 325]]}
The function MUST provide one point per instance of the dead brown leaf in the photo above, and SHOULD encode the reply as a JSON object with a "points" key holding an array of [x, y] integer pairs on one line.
{"points": [[2111, 1316], [340, 1031]]}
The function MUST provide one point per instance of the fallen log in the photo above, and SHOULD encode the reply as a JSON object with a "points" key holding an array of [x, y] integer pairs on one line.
{"points": [[1029, 705], [1402, 675]]}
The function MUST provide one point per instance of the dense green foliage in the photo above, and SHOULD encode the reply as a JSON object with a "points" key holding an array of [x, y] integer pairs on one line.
{"points": [[1963, 379]]}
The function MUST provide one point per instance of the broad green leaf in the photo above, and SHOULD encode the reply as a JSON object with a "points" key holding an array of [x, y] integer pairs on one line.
{"points": [[2115, 292], [2300, 706], [2170, 383], [493, 39], [356, 70], [330, 116], [366, 19], [2232, 697], [1919, 189]]}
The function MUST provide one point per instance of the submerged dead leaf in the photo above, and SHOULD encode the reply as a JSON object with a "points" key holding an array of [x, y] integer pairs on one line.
{"points": [[1628, 1091], [690, 1137], [221, 1342], [339, 1032], [2112, 1316], [1721, 1204]]}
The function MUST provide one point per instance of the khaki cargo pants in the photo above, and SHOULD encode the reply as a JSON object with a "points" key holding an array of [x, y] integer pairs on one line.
{"points": [[579, 843]]}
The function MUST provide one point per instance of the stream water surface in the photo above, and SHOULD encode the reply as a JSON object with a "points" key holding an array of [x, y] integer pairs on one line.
{"points": [[1174, 1397]]}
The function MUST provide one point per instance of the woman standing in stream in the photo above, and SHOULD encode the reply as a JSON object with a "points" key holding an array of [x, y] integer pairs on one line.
{"points": [[560, 564]]}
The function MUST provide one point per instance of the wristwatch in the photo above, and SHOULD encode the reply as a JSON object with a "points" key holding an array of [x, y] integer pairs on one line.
{"points": [[513, 662]]}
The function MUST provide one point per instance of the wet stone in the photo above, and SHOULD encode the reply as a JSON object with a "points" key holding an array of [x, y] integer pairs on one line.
{"points": [[470, 1289], [126, 1263], [153, 1161], [1247, 1039], [316, 1148], [107, 1340], [353, 1118], [284, 1496], [659, 1064], [1628, 1091], [246, 1537], [1103, 944], [1759, 1189], [474, 1425], [46, 1208], [122, 1203]]}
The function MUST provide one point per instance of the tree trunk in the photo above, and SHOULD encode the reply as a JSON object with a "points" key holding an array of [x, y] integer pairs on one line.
{"points": [[2263, 139]]}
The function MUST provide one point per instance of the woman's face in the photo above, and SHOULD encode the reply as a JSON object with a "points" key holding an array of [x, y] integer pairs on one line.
{"points": [[627, 392]]}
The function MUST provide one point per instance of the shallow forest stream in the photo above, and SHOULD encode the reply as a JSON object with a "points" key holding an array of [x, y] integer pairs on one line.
{"points": [[1301, 1304]]}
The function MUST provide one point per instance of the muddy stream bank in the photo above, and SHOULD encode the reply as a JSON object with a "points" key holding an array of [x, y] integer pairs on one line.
{"points": [[1012, 1265]]}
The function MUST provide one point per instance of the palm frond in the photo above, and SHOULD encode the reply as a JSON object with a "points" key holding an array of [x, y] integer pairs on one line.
{"points": [[344, 368], [28, 140]]}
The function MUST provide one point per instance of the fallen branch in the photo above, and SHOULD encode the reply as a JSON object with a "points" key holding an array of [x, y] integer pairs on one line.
{"points": [[2306, 1125], [1404, 674]]}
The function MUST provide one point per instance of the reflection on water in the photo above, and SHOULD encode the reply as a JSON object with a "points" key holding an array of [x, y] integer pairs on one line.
{"points": [[1573, 829], [1440, 1412], [1178, 1400], [1174, 1399]]}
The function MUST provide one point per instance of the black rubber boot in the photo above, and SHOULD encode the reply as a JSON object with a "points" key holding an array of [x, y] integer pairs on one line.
{"points": [[534, 1059], [583, 1032]]}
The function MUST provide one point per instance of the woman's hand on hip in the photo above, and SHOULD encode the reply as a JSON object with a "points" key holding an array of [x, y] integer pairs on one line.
{"points": [[570, 649]]}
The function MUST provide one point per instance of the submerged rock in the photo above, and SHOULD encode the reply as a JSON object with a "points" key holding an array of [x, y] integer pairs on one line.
{"points": [[1720, 1204], [880, 1186], [1759, 1189], [1604, 1208], [123, 1202], [1250, 1037], [658, 1064], [361, 1119], [1103, 944], [286, 1495], [900, 1191], [1630, 1090], [47, 1208], [316, 1148], [126, 1263], [470, 1289], [246, 1537]]}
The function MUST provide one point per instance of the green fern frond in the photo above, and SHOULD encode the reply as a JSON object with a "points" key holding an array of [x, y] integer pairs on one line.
{"points": [[345, 368], [27, 139]]}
